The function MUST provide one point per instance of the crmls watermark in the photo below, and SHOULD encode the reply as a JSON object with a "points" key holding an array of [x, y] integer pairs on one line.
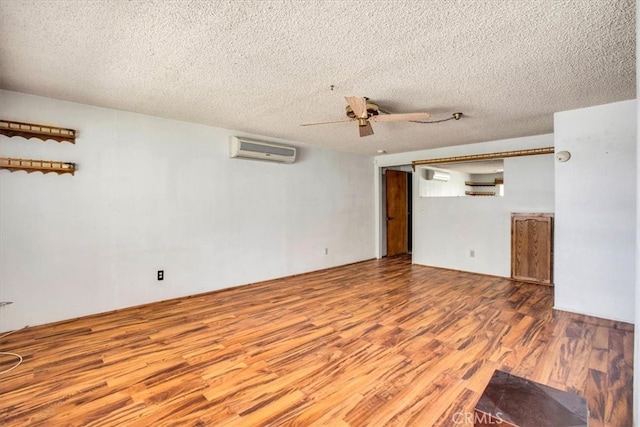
{"points": [[476, 418]]}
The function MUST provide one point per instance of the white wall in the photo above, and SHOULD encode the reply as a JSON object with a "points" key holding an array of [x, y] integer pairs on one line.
{"points": [[455, 187], [447, 229], [595, 211], [154, 194], [536, 141]]}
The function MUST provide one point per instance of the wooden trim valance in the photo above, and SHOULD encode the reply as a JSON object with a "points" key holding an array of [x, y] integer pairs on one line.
{"points": [[486, 156]]}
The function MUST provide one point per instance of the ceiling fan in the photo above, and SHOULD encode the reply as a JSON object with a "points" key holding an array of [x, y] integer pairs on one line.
{"points": [[364, 112]]}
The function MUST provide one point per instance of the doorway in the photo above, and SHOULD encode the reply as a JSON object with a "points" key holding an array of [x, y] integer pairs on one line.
{"points": [[397, 211]]}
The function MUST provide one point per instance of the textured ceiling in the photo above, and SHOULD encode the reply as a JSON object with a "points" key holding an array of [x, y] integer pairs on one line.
{"points": [[266, 67]]}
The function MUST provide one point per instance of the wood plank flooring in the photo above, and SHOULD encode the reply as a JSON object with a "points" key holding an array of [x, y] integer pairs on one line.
{"points": [[376, 343]]}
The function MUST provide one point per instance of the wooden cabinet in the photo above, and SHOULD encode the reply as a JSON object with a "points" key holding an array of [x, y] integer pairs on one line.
{"points": [[532, 247]]}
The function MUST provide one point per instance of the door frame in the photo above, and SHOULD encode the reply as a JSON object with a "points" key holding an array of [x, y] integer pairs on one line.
{"points": [[380, 201]]}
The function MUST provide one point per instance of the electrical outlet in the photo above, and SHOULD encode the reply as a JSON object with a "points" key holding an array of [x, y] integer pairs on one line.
{"points": [[472, 253], [160, 274]]}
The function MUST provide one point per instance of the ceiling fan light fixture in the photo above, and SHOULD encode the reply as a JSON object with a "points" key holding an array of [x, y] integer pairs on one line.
{"points": [[360, 110], [365, 130], [372, 110]]}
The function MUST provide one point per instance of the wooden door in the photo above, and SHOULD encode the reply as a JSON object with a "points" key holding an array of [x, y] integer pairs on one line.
{"points": [[532, 247], [397, 221]]}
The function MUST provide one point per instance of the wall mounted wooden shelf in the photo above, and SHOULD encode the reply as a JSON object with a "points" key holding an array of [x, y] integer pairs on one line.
{"points": [[30, 130], [496, 181], [479, 184], [480, 193], [31, 165]]}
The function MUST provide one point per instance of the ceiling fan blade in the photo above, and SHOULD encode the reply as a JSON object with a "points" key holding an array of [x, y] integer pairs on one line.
{"points": [[406, 117], [366, 130], [358, 106], [328, 123]]}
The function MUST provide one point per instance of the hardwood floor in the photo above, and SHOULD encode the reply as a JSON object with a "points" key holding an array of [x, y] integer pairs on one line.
{"points": [[376, 343]]}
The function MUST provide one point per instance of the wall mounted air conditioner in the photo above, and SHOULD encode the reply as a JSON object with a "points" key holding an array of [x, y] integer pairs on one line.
{"points": [[246, 148], [438, 175]]}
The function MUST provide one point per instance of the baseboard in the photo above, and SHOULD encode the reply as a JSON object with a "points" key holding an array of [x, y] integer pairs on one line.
{"points": [[599, 316]]}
